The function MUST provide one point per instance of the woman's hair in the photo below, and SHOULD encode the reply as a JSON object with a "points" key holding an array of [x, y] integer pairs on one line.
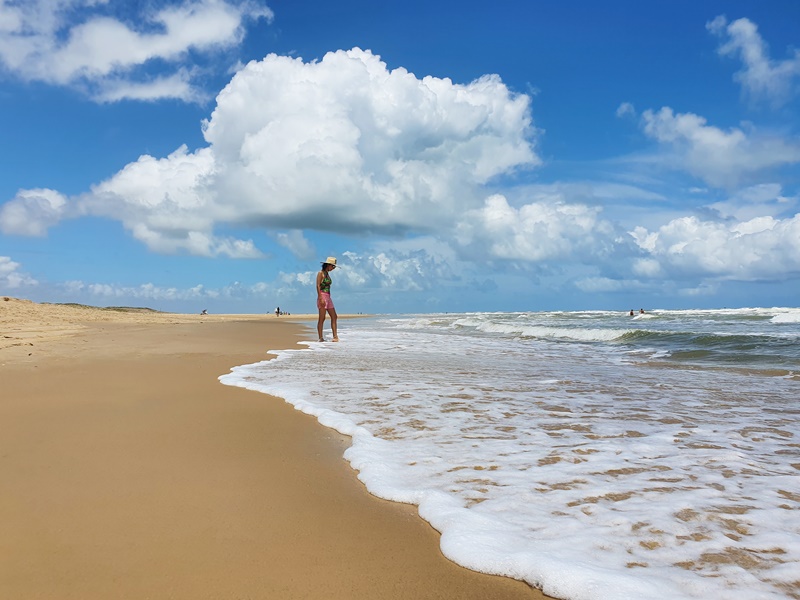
{"points": [[324, 265]]}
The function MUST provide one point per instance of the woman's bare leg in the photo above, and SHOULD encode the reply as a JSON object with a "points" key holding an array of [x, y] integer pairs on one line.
{"points": [[334, 318], [320, 323]]}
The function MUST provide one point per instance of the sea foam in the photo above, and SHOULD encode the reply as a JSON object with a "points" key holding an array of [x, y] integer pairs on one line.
{"points": [[559, 464]]}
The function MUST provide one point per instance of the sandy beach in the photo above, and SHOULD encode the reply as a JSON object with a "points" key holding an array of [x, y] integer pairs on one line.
{"points": [[128, 471]]}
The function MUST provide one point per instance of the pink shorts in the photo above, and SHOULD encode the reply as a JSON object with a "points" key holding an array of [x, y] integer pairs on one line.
{"points": [[325, 301]]}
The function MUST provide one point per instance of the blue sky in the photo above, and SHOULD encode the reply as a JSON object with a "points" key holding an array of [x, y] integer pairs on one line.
{"points": [[516, 155]]}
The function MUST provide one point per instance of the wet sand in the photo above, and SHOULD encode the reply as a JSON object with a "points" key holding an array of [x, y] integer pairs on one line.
{"points": [[128, 471]]}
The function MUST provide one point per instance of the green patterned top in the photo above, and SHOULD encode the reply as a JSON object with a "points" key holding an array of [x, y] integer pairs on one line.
{"points": [[325, 284]]}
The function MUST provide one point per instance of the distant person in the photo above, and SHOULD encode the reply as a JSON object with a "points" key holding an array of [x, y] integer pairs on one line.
{"points": [[641, 311], [631, 312], [278, 312], [324, 302]]}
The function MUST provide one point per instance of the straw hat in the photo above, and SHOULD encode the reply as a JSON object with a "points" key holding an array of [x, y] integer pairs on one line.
{"points": [[331, 260]]}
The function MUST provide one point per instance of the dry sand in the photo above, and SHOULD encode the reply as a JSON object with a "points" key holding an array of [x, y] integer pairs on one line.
{"points": [[128, 471]]}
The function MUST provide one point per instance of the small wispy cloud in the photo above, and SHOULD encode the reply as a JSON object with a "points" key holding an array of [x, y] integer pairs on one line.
{"points": [[296, 243], [721, 158], [12, 277], [761, 77], [84, 45]]}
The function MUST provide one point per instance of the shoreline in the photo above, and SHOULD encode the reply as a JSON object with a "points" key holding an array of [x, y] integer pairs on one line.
{"points": [[132, 472]]}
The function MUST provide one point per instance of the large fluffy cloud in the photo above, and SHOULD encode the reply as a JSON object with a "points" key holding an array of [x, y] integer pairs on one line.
{"points": [[166, 204], [343, 144], [763, 248], [84, 43], [346, 144]]}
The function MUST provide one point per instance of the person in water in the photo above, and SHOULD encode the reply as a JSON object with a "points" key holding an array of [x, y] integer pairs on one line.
{"points": [[324, 302]]}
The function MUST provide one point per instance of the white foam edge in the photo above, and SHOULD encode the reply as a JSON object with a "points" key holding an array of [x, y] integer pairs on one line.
{"points": [[467, 537]]}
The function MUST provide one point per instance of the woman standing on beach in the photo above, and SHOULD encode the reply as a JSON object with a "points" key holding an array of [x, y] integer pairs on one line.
{"points": [[324, 302]]}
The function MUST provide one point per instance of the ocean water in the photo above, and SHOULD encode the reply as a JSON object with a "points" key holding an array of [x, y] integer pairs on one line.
{"points": [[591, 454]]}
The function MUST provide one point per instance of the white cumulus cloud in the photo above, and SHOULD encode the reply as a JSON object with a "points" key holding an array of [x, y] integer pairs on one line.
{"points": [[394, 270], [346, 144], [383, 270], [535, 232], [32, 212], [763, 248], [341, 145], [165, 203]]}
